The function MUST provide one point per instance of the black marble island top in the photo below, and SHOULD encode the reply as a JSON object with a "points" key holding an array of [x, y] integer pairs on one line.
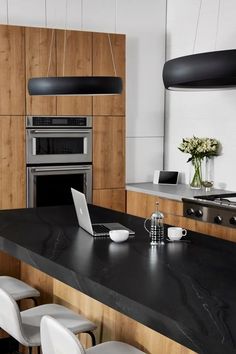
{"points": [[184, 290]]}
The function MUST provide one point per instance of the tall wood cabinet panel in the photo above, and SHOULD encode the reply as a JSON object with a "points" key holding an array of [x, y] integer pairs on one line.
{"points": [[110, 198], [12, 162], [108, 152], [103, 65], [40, 45], [74, 58], [12, 75]]}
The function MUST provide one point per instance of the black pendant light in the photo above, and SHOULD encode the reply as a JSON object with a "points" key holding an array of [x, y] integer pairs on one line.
{"points": [[211, 70], [204, 71], [74, 85]]}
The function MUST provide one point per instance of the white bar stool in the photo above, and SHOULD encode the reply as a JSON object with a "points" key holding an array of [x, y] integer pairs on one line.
{"points": [[18, 289], [55, 338], [24, 326]]}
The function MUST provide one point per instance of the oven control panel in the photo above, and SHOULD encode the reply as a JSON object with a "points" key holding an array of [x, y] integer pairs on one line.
{"points": [[59, 121], [210, 214]]}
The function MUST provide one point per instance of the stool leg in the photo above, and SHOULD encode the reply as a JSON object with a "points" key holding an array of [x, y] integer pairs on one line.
{"points": [[92, 338], [34, 300]]}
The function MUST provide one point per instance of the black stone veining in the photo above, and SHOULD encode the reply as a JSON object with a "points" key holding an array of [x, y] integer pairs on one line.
{"points": [[184, 290]]}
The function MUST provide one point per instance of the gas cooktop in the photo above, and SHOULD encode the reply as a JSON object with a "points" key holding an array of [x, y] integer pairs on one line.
{"points": [[215, 208]]}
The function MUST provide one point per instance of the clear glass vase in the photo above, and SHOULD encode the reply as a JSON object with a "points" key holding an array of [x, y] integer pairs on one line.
{"points": [[196, 173], [207, 173]]}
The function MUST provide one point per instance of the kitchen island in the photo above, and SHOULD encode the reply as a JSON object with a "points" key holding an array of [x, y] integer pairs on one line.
{"points": [[184, 291]]}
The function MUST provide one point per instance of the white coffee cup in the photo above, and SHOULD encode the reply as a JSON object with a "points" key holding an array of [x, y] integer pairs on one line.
{"points": [[119, 235], [176, 233]]}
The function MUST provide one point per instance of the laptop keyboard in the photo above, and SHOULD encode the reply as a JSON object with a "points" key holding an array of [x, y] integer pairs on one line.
{"points": [[100, 229]]}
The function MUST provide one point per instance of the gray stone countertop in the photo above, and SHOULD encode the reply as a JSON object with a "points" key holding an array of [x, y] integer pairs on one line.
{"points": [[176, 192]]}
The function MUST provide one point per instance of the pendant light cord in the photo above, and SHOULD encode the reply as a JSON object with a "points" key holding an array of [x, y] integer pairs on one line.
{"points": [[7, 13], [65, 41], [82, 14], [50, 52], [217, 23], [196, 32], [45, 13], [112, 54]]}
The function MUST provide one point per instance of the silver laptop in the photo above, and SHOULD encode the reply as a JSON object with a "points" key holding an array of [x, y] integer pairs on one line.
{"points": [[101, 229]]}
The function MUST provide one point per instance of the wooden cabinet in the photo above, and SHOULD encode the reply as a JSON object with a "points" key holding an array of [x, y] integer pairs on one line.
{"points": [[110, 198], [12, 162], [40, 50], [51, 52], [109, 162], [74, 58], [108, 152], [103, 54], [12, 75], [141, 204]]}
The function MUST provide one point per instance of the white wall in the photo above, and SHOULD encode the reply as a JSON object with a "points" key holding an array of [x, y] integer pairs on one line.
{"points": [[144, 24], [211, 114]]}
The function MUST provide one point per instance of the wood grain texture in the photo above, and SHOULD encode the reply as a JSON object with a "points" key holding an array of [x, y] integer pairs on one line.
{"points": [[141, 204], [12, 75], [40, 44], [113, 325], [102, 66], [39, 280], [12, 162], [74, 58], [110, 198], [108, 152]]}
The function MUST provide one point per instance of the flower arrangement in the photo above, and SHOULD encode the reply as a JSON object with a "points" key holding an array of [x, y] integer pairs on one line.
{"points": [[198, 148]]}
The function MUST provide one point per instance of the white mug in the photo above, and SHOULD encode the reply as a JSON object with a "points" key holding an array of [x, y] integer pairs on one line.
{"points": [[176, 233]]}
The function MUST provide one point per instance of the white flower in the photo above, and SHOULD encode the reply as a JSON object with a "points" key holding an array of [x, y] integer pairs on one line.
{"points": [[199, 147]]}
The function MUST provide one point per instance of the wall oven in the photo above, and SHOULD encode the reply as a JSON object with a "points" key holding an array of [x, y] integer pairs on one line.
{"points": [[58, 156], [58, 140]]}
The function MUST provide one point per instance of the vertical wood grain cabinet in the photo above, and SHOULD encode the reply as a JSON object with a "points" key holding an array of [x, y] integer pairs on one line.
{"points": [[40, 55], [109, 125], [12, 70], [74, 58]]}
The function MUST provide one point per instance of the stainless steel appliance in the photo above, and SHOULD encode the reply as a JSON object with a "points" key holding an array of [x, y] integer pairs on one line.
{"points": [[58, 139], [58, 156], [217, 209]]}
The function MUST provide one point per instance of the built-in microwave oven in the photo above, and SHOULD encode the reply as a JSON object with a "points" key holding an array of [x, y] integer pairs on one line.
{"points": [[58, 139]]}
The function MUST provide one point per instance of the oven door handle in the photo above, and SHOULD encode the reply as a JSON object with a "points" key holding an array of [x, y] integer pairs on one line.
{"points": [[65, 169], [61, 131]]}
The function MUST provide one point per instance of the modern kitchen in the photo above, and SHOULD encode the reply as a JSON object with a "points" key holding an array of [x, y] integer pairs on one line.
{"points": [[118, 115]]}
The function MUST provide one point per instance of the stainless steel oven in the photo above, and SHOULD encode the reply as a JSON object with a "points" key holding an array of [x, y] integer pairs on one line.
{"points": [[51, 185], [58, 139], [58, 157]]}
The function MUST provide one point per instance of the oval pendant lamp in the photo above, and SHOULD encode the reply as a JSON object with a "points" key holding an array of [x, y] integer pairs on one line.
{"points": [[211, 70], [74, 85], [204, 71]]}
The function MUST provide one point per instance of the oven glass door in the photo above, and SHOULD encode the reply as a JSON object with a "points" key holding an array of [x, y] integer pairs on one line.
{"points": [[51, 185], [59, 145]]}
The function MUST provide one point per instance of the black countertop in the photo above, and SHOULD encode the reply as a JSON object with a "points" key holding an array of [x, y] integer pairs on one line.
{"points": [[184, 290]]}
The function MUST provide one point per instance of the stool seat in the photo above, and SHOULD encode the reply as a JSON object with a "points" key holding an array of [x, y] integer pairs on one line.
{"points": [[31, 319], [17, 288], [113, 347], [56, 338]]}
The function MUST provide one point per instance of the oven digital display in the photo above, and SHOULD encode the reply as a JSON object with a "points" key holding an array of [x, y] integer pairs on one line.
{"points": [[60, 121]]}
